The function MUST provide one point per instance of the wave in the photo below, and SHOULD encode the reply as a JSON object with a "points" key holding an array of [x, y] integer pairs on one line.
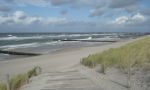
{"points": [[53, 42], [10, 35], [9, 38], [13, 37], [78, 35], [27, 45], [88, 38], [20, 38], [68, 35], [8, 47]]}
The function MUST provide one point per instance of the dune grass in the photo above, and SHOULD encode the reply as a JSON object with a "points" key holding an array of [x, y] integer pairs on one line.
{"points": [[17, 81], [34, 72], [135, 54], [3, 86]]}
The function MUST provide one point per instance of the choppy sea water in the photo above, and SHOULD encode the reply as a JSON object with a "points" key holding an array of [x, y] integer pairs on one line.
{"points": [[49, 42]]}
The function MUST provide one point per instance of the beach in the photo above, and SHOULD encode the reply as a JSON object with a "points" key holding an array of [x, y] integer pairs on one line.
{"points": [[65, 66], [74, 45], [45, 43], [57, 61]]}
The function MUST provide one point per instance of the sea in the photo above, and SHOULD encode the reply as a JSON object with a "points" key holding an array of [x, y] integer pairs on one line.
{"points": [[43, 43]]}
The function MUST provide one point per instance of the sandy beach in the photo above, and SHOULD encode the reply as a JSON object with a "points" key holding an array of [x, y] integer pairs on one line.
{"points": [[74, 45], [66, 60], [58, 61]]}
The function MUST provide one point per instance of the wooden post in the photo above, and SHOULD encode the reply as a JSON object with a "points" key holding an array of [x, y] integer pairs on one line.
{"points": [[103, 67], [8, 82], [38, 70], [27, 79], [129, 76]]}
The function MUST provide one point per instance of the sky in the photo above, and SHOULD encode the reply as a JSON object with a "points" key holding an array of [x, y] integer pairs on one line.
{"points": [[74, 15]]}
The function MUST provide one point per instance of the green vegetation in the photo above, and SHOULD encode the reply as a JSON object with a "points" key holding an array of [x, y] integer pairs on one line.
{"points": [[3, 86], [17, 81], [34, 72], [135, 54]]}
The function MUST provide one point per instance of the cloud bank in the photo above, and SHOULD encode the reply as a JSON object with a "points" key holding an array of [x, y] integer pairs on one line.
{"points": [[103, 16]]}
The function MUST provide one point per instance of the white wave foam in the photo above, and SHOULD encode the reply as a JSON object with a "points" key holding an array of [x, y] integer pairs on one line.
{"points": [[8, 47], [68, 35], [78, 35], [89, 38], [11, 37], [54, 42], [20, 38]]}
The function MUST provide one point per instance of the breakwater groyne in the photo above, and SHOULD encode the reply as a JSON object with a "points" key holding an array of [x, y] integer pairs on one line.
{"points": [[18, 53]]}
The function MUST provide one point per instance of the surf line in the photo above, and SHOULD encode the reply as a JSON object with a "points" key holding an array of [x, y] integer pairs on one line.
{"points": [[84, 40]]}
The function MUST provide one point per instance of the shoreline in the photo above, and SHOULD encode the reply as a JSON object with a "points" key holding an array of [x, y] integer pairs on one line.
{"points": [[56, 61], [23, 52]]}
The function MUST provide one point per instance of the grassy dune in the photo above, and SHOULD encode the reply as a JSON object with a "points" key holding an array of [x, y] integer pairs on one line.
{"points": [[3, 86], [135, 54], [17, 81]]}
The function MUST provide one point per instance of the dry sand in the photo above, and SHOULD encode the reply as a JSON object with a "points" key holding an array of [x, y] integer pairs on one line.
{"points": [[62, 61]]}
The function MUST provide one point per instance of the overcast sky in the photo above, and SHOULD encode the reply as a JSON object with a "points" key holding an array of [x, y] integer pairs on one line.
{"points": [[74, 15]]}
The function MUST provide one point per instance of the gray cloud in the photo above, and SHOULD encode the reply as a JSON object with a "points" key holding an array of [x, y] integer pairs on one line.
{"points": [[9, 1], [63, 12], [146, 11], [132, 8], [77, 3], [5, 8], [130, 20], [72, 3], [97, 12], [122, 3], [7, 5], [75, 26], [98, 7], [19, 20], [61, 2]]}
